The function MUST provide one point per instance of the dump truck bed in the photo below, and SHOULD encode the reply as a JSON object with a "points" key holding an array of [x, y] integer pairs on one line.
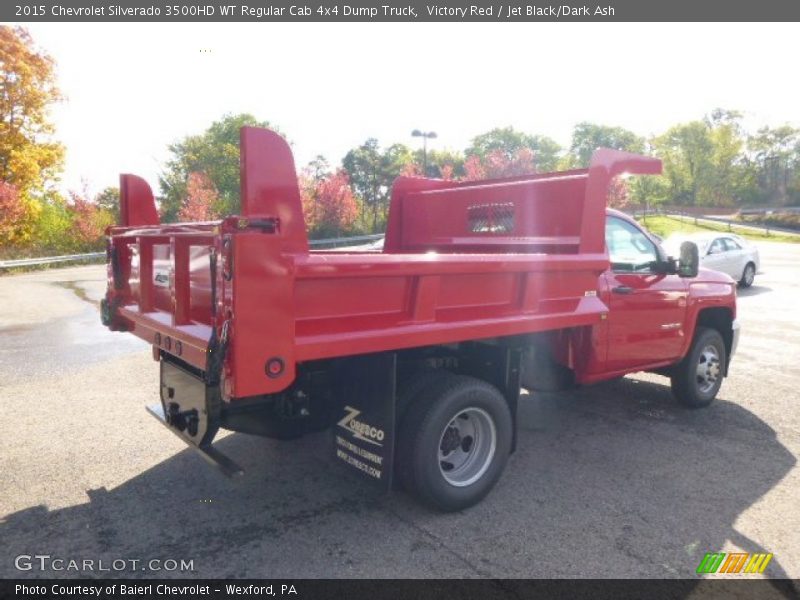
{"points": [[462, 261]]}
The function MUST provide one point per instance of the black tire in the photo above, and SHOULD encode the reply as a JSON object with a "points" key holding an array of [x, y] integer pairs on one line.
{"points": [[427, 423], [689, 387], [748, 275]]}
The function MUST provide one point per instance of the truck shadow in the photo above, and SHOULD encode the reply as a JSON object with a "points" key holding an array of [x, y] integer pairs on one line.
{"points": [[610, 481]]}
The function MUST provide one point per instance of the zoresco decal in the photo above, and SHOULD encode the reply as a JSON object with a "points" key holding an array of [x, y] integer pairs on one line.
{"points": [[359, 429]]}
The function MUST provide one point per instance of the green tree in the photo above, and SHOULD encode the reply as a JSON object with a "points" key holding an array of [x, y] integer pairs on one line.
{"points": [[510, 141], [774, 161], [442, 164], [588, 137], [317, 169], [108, 200], [53, 227], [372, 171], [215, 152], [29, 159], [647, 190], [704, 162], [728, 180], [684, 151]]}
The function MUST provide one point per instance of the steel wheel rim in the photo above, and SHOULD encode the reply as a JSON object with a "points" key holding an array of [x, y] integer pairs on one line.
{"points": [[708, 369], [467, 446], [749, 274]]}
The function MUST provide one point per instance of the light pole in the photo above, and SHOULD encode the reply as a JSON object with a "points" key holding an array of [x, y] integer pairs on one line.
{"points": [[425, 135]]}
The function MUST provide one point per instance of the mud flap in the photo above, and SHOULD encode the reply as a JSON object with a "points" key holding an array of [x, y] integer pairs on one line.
{"points": [[364, 433], [190, 409]]}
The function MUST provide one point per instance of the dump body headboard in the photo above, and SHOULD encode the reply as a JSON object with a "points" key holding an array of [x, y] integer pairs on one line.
{"points": [[552, 213]]}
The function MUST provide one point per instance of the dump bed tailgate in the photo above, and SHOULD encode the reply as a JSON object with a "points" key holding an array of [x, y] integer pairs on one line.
{"points": [[163, 285]]}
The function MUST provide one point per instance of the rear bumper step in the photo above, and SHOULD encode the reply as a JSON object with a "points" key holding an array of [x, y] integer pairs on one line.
{"points": [[207, 451]]}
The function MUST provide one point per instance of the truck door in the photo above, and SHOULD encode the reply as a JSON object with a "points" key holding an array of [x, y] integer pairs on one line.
{"points": [[647, 309]]}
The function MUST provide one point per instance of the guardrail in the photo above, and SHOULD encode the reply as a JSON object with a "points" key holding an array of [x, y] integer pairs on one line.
{"points": [[698, 219], [345, 241], [767, 229], [48, 260]]}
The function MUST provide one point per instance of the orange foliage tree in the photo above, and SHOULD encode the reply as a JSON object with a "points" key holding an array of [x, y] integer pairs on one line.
{"points": [[497, 164], [329, 206], [89, 221], [201, 197], [618, 193], [12, 211], [28, 158]]}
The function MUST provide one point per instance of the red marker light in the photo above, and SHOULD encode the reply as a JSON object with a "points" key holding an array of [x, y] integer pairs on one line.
{"points": [[275, 367]]}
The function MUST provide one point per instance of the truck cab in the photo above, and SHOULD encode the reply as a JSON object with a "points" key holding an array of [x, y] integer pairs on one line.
{"points": [[655, 315]]}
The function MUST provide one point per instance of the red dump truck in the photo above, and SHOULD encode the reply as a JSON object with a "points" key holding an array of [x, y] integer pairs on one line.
{"points": [[414, 355]]}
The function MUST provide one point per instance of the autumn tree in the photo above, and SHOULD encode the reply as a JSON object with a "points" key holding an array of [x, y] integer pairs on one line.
{"points": [[29, 159], [619, 194], [84, 224], [89, 221], [448, 172], [12, 212], [329, 206], [498, 163], [214, 152], [412, 169], [201, 199]]}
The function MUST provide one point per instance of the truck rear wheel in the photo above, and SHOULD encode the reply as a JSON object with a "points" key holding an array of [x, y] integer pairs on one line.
{"points": [[698, 377], [454, 442]]}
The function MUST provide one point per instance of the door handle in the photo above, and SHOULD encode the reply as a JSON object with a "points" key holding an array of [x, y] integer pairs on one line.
{"points": [[622, 289]]}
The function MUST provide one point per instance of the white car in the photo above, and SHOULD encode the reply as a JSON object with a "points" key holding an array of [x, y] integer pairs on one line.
{"points": [[725, 252]]}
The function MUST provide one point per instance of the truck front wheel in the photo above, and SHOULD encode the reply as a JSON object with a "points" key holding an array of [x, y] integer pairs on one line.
{"points": [[454, 442], [698, 377]]}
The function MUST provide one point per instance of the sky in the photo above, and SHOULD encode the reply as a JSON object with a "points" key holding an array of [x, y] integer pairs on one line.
{"points": [[132, 89]]}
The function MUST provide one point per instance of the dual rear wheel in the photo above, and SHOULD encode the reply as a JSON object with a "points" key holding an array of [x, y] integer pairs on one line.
{"points": [[454, 440]]}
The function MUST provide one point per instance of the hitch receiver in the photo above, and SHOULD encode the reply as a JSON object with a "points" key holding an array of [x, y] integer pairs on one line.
{"points": [[207, 451]]}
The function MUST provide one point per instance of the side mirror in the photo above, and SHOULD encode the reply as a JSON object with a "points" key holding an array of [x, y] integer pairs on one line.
{"points": [[689, 262]]}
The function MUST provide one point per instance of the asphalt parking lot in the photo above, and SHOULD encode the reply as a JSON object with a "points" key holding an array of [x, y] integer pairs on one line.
{"points": [[610, 481]]}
